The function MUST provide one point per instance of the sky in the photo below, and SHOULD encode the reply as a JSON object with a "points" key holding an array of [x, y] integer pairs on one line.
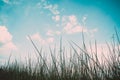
{"points": [[45, 21]]}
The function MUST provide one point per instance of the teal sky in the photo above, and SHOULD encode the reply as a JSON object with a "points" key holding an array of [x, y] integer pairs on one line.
{"points": [[46, 20]]}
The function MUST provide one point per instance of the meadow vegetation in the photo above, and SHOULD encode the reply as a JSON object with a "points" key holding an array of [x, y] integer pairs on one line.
{"points": [[80, 66]]}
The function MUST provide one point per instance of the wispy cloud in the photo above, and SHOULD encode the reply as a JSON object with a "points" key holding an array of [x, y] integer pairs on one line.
{"points": [[6, 1], [53, 8], [12, 2], [71, 25]]}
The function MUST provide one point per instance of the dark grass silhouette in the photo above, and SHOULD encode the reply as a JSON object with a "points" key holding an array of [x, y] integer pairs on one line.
{"points": [[81, 66]]}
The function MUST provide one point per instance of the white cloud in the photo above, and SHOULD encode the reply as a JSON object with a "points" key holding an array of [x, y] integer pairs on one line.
{"points": [[10, 46], [76, 30], [68, 26], [52, 33], [71, 25], [73, 19], [5, 36], [46, 5], [43, 41], [52, 8], [38, 37], [6, 40]]}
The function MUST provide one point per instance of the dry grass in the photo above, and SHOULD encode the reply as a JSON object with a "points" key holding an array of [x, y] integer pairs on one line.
{"points": [[81, 66]]}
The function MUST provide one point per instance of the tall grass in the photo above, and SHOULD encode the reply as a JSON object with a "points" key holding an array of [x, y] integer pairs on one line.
{"points": [[82, 64]]}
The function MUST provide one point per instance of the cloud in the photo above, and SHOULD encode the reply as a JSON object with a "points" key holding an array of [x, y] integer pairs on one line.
{"points": [[8, 46], [6, 40], [10, 2], [5, 36], [56, 18], [43, 41], [6, 1], [38, 37], [52, 33], [73, 19], [76, 29], [52, 8], [71, 25]]}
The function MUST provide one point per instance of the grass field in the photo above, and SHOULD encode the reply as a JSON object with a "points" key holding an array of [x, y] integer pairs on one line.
{"points": [[81, 66]]}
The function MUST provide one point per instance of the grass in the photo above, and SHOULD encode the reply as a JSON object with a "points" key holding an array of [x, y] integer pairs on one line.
{"points": [[80, 66]]}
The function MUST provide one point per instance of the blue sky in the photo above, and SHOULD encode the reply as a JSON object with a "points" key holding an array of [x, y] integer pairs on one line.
{"points": [[46, 20]]}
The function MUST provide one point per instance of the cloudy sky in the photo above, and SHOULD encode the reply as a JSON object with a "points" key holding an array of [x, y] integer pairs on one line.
{"points": [[47, 20]]}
